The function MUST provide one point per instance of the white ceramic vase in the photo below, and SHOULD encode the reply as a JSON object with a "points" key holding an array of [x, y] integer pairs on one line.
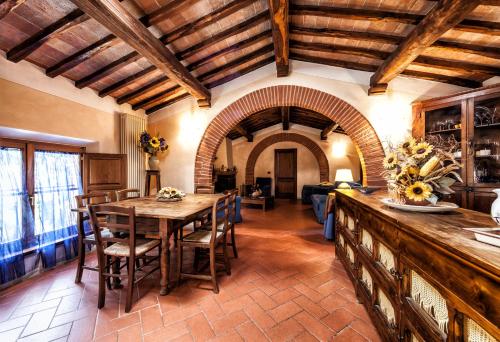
{"points": [[154, 163], [495, 207]]}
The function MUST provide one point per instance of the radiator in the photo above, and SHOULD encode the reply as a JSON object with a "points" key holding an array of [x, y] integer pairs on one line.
{"points": [[131, 127]]}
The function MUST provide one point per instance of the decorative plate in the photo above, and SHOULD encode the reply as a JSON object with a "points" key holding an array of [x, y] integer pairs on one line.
{"points": [[176, 199], [440, 207]]}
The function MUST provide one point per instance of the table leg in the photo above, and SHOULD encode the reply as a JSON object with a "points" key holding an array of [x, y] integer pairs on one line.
{"points": [[166, 230]]}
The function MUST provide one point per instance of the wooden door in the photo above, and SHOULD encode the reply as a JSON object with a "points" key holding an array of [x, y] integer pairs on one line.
{"points": [[285, 173], [102, 171]]}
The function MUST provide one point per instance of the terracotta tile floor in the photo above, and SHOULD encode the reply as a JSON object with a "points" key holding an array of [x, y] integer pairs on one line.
{"points": [[286, 286]]}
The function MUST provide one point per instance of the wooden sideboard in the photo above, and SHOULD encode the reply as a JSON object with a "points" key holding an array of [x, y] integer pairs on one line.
{"points": [[420, 276]]}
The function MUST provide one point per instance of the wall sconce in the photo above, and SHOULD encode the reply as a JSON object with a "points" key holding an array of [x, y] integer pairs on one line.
{"points": [[339, 149]]}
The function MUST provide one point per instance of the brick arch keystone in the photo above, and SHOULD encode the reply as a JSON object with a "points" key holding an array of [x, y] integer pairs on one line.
{"points": [[349, 118], [324, 170]]}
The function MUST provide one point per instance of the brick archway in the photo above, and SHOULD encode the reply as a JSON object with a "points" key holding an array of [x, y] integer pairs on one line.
{"points": [[324, 170], [349, 118]]}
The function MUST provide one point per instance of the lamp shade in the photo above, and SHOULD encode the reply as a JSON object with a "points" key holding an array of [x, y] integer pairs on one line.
{"points": [[343, 175]]}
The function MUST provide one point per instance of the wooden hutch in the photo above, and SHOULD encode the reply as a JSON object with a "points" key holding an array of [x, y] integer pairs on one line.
{"points": [[420, 276], [473, 119]]}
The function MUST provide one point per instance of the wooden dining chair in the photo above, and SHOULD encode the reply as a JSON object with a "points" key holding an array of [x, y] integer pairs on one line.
{"points": [[115, 248], [207, 240], [232, 219], [86, 238], [127, 194]]}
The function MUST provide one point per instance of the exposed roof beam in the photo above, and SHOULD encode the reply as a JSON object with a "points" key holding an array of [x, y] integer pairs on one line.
{"points": [[107, 70], [8, 6], [371, 68], [193, 66], [248, 24], [127, 81], [244, 133], [232, 31], [285, 117], [81, 56], [28, 46], [206, 20], [217, 82], [278, 9], [443, 16], [328, 129], [214, 72], [166, 11], [468, 25], [481, 50], [112, 15], [382, 55]]}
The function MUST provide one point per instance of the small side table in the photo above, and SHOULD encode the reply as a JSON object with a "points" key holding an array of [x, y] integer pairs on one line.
{"points": [[265, 202], [149, 175]]}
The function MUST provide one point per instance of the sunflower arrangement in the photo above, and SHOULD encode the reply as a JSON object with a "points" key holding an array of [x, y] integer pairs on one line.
{"points": [[170, 193], [152, 144], [419, 172]]}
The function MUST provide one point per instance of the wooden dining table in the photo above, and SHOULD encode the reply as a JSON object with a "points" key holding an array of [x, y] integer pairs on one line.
{"points": [[168, 214]]}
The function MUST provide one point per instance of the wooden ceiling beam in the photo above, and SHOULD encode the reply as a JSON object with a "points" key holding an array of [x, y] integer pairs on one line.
{"points": [[371, 68], [383, 38], [112, 15], [382, 55], [467, 25], [107, 70], [31, 44], [285, 117], [128, 81], [167, 10], [8, 6], [192, 66], [328, 129], [206, 20], [445, 15], [204, 44], [278, 10], [217, 82], [244, 133], [214, 72], [232, 31]]}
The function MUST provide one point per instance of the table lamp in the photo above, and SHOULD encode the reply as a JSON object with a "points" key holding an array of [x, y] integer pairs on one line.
{"points": [[343, 176]]}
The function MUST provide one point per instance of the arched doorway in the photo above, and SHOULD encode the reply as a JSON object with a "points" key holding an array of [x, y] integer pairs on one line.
{"points": [[349, 118], [324, 170]]}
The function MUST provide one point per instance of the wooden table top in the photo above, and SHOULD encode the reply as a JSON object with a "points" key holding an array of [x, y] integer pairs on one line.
{"points": [[181, 210], [444, 230]]}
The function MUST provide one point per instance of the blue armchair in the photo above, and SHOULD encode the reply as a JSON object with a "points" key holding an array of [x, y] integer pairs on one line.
{"points": [[324, 214], [318, 204]]}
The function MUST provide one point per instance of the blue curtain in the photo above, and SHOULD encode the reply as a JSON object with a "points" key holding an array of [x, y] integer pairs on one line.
{"points": [[16, 218], [57, 182]]}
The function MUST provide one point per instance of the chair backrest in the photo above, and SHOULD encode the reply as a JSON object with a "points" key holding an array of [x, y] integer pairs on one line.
{"points": [[116, 219], [232, 206], [83, 201], [220, 215], [204, 189], [127, 194]]}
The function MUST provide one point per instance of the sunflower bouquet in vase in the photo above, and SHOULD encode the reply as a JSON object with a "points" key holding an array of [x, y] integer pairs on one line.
{"points": [[419, 172], [152, 145]]}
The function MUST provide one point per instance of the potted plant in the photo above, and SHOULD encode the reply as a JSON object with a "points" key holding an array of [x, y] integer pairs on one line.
{"points": [[152, 145], [418, 172]]}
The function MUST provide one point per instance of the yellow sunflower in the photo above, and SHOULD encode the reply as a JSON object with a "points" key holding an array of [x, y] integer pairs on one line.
{"points": [[406, 146], [390, 161], [155, 142], [418, 191], [412, 171], [421, 150]]}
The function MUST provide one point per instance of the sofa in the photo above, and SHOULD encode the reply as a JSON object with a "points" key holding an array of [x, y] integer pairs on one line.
{"points": [[309, 190], [324, 210]]}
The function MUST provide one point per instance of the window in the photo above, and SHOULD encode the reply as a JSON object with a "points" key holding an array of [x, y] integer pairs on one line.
{"points": [[57, 182]]}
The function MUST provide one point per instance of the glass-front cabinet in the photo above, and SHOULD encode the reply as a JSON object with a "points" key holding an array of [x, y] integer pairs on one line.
{"points": [[470, 122]]}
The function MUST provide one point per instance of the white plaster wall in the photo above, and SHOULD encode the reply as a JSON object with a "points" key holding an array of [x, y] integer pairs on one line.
{"points": [[183, 124], [36, 107]]}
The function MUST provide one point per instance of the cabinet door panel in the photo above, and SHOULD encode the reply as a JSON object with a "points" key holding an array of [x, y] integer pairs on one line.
{"points": [[481, 200], [103, 171]]}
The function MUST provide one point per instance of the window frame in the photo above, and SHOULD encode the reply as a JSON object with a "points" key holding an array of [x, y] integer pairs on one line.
{"points": [[28, 148]]}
